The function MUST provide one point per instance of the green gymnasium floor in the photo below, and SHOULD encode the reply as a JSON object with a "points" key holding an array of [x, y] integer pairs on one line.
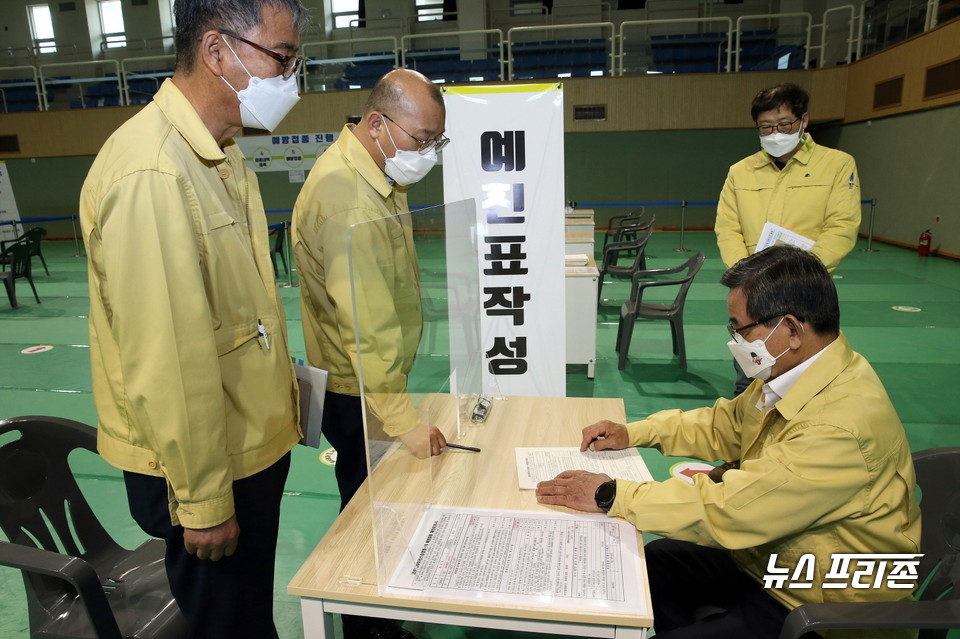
{"points": [[917, 354]]}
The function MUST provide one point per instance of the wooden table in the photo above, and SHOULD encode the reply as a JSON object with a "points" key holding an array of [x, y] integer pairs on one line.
{"points": [[340, 575]]}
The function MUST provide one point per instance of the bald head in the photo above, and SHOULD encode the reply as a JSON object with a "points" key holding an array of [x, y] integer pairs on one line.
{"points": [[400, 91]]}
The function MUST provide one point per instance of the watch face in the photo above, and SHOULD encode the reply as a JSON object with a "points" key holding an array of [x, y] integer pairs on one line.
{"points": [[606, 493]]}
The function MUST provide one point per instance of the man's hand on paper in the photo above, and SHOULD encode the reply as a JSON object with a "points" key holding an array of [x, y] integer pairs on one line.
{"points": [[424, 440], [605, 435], [573, 489]]}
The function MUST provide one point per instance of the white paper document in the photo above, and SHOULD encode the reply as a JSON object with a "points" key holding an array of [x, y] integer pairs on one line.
{"points": [[524, 558], [313, 389], [773, 235], [535, 465]]}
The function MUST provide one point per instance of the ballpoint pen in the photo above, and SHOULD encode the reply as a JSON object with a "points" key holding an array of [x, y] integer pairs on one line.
{"points": [[461, 447]]}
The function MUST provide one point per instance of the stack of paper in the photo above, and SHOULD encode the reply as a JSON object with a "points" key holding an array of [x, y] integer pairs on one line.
{"points": [[579, 259]]}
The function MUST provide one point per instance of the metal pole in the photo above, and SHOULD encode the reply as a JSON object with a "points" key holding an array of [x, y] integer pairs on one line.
{"points": [[289, 250], [873, 210], [76, 240], [683, 224]]}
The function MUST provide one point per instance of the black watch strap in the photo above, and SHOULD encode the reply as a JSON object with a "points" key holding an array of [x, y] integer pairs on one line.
{"points": [[605, 495]]}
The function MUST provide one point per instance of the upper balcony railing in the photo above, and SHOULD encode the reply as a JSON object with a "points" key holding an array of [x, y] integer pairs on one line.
{"points": [[548, 50]]}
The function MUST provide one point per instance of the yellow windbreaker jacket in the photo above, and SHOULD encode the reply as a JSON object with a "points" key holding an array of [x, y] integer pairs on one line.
{"points": [[350, 222], [817, 194], [180, 277], [827, 470]]}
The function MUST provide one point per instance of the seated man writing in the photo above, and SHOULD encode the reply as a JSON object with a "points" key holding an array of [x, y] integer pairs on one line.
{"points": [[824, 467]]}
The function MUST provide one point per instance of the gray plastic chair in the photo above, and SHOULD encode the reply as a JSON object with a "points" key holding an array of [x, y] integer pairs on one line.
{"points": [[615, 250], [18, 256], [636, 308], [621, 228], [279, 248], [34, 237], [94, 588], [937, 607]]}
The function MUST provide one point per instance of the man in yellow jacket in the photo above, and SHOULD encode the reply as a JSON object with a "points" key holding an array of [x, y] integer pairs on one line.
{"points": [[792, 182], [352, 234], [824, 469], [192, 378]]}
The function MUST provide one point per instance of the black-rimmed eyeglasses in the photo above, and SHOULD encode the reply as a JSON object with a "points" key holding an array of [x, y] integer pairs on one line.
{"points": [[737, 330], [290, 63], [780, 127], [425, 145]]}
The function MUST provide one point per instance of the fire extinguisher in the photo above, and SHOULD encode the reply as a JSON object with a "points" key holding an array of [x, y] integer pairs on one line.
{"points": [[924, 246]]}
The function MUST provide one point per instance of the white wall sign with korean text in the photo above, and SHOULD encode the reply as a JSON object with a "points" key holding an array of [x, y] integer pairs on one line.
{"points": [[297, 152], [8, 206], [507, 153]]}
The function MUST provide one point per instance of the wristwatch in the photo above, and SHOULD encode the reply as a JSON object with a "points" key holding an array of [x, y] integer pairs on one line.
{"points": [[605, 495]]}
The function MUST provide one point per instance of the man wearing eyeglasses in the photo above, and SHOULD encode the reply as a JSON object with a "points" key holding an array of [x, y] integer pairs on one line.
{"points": [[792, 182], [350, 223], [194, 389], [824, 468]]}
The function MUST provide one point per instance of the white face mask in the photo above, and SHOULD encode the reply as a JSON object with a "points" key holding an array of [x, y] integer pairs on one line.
{"points": [[407, 167], [753, 357], [779, 144], [265, 101]]}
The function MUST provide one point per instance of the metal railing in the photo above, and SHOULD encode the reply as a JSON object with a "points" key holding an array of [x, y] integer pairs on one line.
{"points": [[729, 42], [853, 36], [158, 76], [773, 16], [32, 82], [622, 36], [356, 56], [602, 26], [55, 81], [498, 48]]}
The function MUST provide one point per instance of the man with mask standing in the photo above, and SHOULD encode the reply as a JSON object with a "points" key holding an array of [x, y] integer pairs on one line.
{"points": [[824, 469], [357, 191], [792, 182], [192, 379]]}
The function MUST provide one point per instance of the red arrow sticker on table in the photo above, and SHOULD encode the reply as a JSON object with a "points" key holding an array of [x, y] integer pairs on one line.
{"points": [[37, 349]]}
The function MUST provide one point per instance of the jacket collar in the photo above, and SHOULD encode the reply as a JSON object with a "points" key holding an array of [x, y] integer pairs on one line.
{"points": [[761, 159], [835, 358], [185, 119], [358, 156]]}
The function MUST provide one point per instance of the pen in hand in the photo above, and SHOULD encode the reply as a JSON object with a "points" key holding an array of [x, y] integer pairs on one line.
{"points": [[460, 447]]}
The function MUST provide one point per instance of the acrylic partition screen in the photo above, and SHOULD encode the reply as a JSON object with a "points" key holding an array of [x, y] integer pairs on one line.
{"points": [[415, 285]]}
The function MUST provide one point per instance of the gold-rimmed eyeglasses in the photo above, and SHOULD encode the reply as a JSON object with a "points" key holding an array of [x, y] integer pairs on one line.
{"points": [[425, 145], [289, 63]]}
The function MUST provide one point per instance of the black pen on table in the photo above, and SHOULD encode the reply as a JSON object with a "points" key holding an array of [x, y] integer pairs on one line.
{"points": [[461, 447]]}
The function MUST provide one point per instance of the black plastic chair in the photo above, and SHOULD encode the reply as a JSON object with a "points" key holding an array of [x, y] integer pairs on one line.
{"points": [[622, 228], [279, 248], [937, 608], [18, 256], [94, 588], [34, 236], [636, 308], [615, 250]]}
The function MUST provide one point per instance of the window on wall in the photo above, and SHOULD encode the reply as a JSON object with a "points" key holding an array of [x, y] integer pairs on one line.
{"points": [[111, 24], [344, 12], [41, 27], [527, 7], [429, 10]]}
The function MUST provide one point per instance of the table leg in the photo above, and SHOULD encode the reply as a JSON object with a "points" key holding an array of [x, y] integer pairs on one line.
{"points": [[317, 623]]}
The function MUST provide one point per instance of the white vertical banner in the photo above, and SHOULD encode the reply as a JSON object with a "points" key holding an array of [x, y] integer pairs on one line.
{"points": [[507, 154], [8, 206]]}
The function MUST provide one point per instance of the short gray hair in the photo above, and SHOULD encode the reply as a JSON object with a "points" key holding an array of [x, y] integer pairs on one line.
{"points": [[196, 17]]}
